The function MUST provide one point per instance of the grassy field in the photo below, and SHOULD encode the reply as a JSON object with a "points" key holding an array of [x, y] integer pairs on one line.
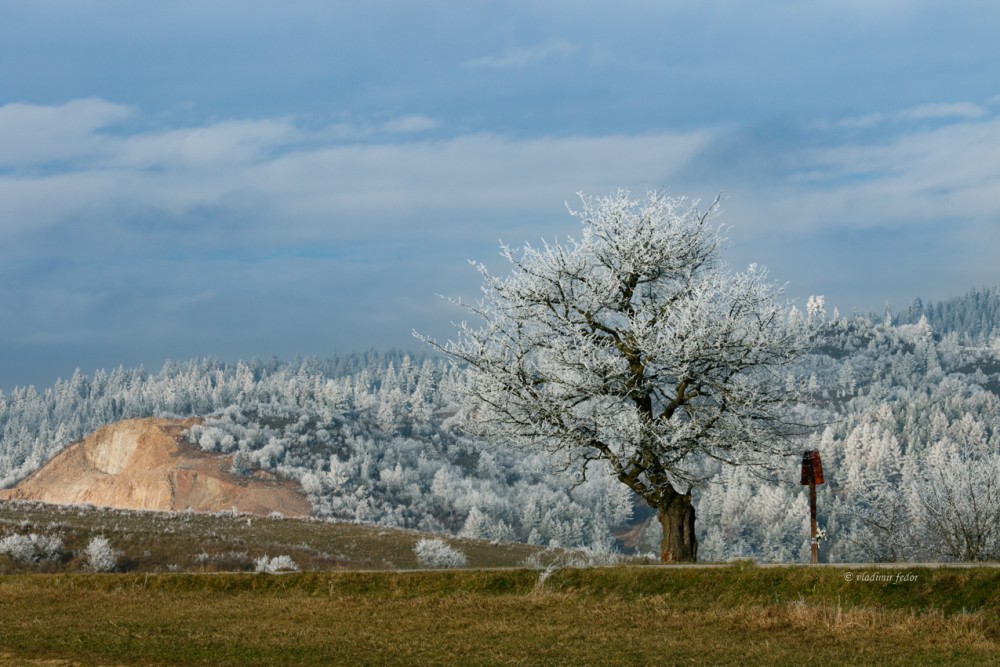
{"points": [[184, 595], [191, 542], [734, 615]]}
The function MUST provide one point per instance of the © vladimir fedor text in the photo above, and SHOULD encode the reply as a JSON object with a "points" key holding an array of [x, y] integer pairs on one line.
{"points": [[882, 577]]}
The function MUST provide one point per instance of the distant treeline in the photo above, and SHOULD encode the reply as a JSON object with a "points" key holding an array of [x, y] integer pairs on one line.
{"points": [[911, 445], [976, 315]]}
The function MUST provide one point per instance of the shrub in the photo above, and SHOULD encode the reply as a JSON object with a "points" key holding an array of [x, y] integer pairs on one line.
{"points": [[28, 549], [276, 564], [100, 556], [437, 553]]}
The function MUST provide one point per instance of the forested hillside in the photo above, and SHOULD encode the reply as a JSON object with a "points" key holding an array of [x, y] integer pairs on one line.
{"points": [[911, 450], [372, 438], [910, 438], [975, 314]]}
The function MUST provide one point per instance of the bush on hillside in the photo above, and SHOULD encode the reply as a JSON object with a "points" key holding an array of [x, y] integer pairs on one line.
{"points": [[436, 553], [100, 556], [28, 549]]}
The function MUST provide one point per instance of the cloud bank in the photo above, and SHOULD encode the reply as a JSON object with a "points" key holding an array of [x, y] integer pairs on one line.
{"points": [[273, 235]]}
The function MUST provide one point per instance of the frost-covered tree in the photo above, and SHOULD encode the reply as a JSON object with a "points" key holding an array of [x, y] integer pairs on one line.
{"points": [[957, 500], [274, 565], [438, 554], [751, 518], [872, 508], [32, 548], [635, 346], [100, 556]]}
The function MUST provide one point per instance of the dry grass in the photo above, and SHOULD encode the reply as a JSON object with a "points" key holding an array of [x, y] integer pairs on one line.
{"points": [[619, 616], [734, 615], [193, 542]]}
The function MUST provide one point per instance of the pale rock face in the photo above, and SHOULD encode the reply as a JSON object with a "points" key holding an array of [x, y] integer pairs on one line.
{"points": [[147, 464], [111, 454]]}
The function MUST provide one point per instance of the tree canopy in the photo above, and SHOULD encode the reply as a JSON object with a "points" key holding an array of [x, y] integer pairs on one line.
{"points": [[636, 346]]}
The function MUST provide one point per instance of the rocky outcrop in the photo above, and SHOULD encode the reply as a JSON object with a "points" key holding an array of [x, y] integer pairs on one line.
{"points": [[147, 464]]}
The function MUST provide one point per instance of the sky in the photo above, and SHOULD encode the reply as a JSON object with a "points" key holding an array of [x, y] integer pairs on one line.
{"points": [[239, 179]]}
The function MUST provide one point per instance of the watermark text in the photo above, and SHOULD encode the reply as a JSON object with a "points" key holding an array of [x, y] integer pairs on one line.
{"points": [[881, 577]]}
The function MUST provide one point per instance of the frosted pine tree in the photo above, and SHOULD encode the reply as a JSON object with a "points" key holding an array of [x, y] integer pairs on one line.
{"points": [[873, 513]]}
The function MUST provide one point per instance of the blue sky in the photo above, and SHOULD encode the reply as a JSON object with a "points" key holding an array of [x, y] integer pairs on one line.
{"points": [[239, 179]]}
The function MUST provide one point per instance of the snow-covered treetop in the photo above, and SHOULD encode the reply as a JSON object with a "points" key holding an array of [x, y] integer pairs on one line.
{"points": [[634, 344]]}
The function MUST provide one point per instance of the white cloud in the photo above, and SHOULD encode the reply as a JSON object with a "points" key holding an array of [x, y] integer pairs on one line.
{"points": [[76, 133], [362, 182], [144, 216], [956, 157], [282, 184], [348, 131], [522, 57], [32, 134], [292, 185], [410, 125], [946, 177], [942, 112], [229, 142], [945, 111]]}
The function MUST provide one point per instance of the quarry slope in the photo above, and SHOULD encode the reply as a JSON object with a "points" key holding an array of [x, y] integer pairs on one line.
{"points": [[147, 464]]}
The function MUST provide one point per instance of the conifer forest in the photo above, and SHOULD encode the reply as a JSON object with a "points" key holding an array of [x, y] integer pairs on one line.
{"points": [[906, 408]]}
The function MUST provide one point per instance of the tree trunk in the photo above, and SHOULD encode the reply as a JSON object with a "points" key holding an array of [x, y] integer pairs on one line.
{"points": [[676, 515]]}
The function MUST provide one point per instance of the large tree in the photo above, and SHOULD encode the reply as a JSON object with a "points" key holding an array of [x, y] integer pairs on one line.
{"points": [[637, 347]]}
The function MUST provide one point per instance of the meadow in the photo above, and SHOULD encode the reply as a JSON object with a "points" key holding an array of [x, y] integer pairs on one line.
{"points": [[184, 593], [173, 542], [634, 615]]}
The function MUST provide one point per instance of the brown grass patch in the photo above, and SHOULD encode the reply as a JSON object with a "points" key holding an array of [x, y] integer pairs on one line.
{"points": [[470, 618]]}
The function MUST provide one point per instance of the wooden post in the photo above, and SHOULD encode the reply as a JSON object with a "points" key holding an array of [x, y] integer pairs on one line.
{"points": [[812, 474], [812, 521]]}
